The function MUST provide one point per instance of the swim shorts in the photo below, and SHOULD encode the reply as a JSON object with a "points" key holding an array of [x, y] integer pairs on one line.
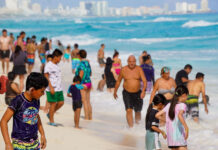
{"points": [[132, 100], [75, 63], [176, 147], [42, 58], [88, 85], [4, 54], [101, 61], [30, 58], [57, 97], [76, 105], [192, 106], [21, 145], [152, 140], [66, 56]]}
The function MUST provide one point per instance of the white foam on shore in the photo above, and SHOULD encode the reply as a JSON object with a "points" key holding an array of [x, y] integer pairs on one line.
{"points": [[201, 23], [84, 39], [108, 130], [78, 21], [166, 19], [158, 40]]}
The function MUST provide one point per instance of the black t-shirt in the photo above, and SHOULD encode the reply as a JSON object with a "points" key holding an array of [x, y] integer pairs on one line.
{"points": [[152, 121], [181, 74]]}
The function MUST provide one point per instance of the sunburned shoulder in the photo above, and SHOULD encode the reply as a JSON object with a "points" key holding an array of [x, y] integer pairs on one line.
{"points": [[171, 79]]}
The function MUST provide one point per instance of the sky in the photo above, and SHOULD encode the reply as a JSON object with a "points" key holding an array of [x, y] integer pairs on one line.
{"points": [[213, 4]]}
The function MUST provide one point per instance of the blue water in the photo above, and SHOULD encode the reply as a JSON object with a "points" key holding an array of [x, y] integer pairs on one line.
{"points": [[171, 40]]}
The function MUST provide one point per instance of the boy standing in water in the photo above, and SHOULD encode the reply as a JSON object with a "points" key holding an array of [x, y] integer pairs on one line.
{"points": [[26, 120], [74, 92]]}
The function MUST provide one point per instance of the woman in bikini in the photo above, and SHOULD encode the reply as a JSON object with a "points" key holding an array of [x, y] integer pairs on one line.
{"points": [[117, 65]]}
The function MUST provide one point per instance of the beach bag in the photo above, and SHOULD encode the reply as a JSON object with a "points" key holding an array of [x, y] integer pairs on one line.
{"points": [[3, 82]]}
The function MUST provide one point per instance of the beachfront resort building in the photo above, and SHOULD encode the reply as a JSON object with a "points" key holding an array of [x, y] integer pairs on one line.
{"points": [[11, 4], [204, 6]]}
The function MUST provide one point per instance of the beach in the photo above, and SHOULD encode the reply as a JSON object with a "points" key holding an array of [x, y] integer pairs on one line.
{"points": [[108, 130], [172, 41]]}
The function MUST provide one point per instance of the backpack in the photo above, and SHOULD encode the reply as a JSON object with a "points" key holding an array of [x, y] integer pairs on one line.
{"points": [[3, 82]]}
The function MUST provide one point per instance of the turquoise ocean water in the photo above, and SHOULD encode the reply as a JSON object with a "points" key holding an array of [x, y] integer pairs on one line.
{"points": [[171, 40]]}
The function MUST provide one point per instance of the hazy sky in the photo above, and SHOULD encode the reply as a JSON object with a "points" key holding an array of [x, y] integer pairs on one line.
{"points": [[213, 4]]}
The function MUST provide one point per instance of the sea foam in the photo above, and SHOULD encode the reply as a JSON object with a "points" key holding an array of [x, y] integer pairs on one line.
{"points": [[84, 39], [148, 41], [201, 23], [166, 19]]}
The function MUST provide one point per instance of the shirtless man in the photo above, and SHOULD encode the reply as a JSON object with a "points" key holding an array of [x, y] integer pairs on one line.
{"points": [[101, 56], [20, 41], [5, 45], [196, 87], [41, 52], [74, 57], [132, 95], [31, 48]]}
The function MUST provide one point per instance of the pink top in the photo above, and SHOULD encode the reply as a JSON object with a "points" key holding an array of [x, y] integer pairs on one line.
{"points": [[175, 129]]}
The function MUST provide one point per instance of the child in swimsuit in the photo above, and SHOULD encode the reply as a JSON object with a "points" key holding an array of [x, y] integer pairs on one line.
{"points": [[24, 109], [67, 54], [74, 92]]}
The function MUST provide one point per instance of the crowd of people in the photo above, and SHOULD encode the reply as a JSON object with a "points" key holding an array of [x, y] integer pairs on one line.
{"points": [[170, 99]]}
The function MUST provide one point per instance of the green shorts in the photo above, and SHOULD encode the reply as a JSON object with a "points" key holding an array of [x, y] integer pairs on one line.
{"points": [[57, 97]]}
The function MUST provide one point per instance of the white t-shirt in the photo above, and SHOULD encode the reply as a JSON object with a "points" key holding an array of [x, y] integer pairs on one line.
{"points": [[54, 76], [4, 42]]}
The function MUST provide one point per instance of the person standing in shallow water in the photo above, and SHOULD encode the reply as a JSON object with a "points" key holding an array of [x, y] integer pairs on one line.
{"points": [[110, 75], [74, 57], [117, 65], [182, 75], [84, 71], [176, 127], [149, 73], [101, 56], [54, 91], [164, 85], [132, 94], [5, 45], [196, 87]]}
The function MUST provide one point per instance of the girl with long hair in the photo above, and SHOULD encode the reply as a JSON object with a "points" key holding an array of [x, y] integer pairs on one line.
{"points": [[177, 129]]}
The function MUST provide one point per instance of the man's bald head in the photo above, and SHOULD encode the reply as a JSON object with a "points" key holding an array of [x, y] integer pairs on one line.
{"points": [[131, 58], [131, 62]]}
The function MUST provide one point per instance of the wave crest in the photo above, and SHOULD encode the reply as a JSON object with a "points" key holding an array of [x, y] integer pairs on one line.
{"points": [[166, 19], [201, 23], [148, 41], [83, 40]]}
